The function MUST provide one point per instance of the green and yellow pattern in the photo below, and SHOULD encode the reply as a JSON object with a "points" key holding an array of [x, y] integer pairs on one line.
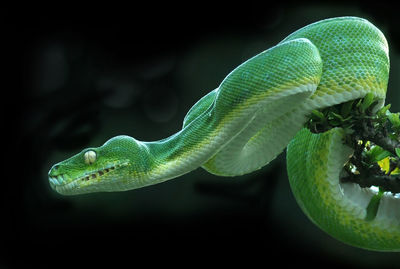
{"points": [[250, 118]]}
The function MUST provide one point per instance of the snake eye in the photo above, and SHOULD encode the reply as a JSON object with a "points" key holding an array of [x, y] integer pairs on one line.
{"points": [[90, 157]]}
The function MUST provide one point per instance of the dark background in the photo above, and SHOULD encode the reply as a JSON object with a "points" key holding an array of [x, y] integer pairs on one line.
{"points": [[76, 76]]}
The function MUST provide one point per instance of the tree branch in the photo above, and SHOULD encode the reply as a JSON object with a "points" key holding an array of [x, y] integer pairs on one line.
{"points": [[365, 128], [388, 183], [378, 138]]}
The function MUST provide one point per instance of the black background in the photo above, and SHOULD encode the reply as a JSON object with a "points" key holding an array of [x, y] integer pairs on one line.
{"points": [[78, 75]]}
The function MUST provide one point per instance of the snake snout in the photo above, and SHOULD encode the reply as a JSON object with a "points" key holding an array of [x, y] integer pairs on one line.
{"points": [[53, 170], [55, 177]]}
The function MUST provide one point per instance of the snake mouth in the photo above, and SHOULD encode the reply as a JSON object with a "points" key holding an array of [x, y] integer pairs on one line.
{"points": [[65, 184]]}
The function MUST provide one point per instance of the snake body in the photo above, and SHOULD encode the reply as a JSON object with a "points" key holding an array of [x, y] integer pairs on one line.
{"points": [[252, 116]]}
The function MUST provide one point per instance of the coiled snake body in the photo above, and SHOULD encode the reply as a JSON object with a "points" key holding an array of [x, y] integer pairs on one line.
{"points": [[251, 117]]}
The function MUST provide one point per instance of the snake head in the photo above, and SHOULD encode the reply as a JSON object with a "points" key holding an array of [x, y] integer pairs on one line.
{"points": [[106, 168]]}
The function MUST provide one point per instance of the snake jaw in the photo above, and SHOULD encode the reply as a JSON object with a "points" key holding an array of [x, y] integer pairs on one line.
{"points": [[89, 181]]}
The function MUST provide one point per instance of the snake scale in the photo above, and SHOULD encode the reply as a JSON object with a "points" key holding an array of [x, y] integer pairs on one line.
{"points": [[259, 109]]}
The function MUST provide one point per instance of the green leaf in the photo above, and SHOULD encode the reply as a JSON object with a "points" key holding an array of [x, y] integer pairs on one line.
{"points": [[359, 103], [333, 115], [397, 152], [382, 112], [394, 119], [318, 114], [372, 208], [376, 153], [346, 108], [367, 102]]}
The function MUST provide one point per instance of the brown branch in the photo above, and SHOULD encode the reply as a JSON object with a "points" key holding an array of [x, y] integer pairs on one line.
{"points": [[362, 124], [371, 174], [379, 137], [388, 183]]}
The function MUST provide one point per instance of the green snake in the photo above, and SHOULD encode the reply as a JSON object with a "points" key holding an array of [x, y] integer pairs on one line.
{"points": [[257, 110]]}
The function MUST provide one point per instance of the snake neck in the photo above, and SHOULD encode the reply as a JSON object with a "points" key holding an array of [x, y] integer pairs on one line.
{"points": [[183, 152]]}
